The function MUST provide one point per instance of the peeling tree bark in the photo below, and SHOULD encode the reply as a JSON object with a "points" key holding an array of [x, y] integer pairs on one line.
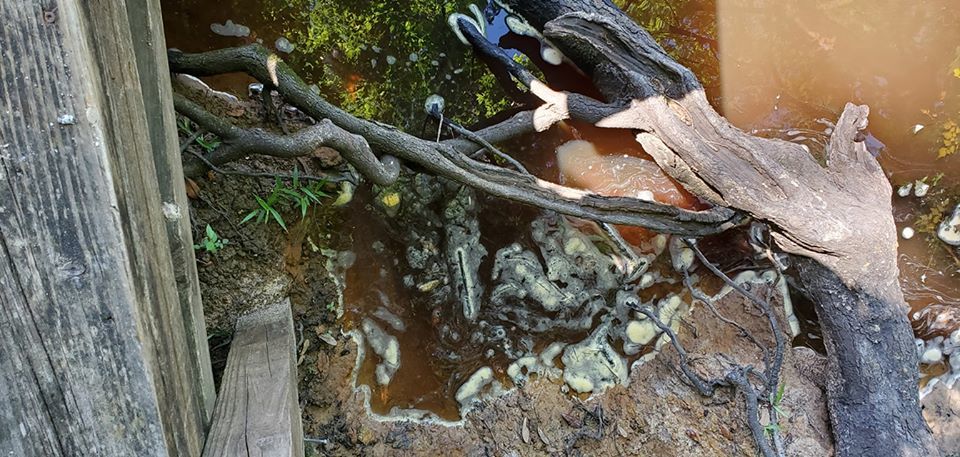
{"points": [[835, 220]]}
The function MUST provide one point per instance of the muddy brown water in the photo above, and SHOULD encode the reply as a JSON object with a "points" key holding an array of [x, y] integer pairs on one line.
{"points": [[780, 69]]}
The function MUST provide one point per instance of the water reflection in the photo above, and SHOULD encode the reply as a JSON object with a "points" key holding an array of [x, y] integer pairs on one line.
{"points": [[791, 64]]}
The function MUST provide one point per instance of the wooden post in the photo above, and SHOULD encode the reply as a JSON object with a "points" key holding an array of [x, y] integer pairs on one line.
{"points": [[99, 352], [258, 412]]}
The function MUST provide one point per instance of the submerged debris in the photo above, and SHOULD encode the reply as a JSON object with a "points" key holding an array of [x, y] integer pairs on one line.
{"points": [[949, 230], [385, 346], [230, 29], [593, 365], [284, 45], [938, 350]]}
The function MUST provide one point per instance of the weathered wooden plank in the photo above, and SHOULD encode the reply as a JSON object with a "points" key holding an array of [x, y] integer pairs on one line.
{"points": [[258, 412], [94, 353], [151, 55]]}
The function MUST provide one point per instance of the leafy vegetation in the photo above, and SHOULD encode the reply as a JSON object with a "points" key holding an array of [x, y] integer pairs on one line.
{"points": [[294, 197], [776, 401], [211, 241], [207, 141], [380, 60], [950, 139]]}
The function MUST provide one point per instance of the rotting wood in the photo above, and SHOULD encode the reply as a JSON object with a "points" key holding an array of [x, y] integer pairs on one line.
{"points": [[258, 412], [97, 357]]}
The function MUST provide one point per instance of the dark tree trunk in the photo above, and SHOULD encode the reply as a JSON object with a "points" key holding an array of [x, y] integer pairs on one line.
{"points": [[836, 220]]}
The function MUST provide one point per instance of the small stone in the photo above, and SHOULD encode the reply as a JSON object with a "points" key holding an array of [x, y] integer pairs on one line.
{"points": [[917, 128], [391, 60], [907, 233], [551, 55], [641, 332], [366, 436], [284, 45], [646, 280], [230, 29], [326, 337], [932, 355], [434, 103], [66, 119], [477, 381], [905, 189], [920, 188]]}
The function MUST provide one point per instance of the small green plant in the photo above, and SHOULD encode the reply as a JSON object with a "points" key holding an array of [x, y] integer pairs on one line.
{"points": [[775, 401], [207, 141], [295, 196], [211, 241]]}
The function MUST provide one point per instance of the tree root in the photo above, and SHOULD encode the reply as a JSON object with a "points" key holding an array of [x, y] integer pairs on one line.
{"points": [[738, 376], [444, 158], [238, 143]]}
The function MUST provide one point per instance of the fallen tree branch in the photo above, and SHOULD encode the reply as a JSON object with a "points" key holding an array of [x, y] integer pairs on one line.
{"points": [[444, 160], [238, 142]]}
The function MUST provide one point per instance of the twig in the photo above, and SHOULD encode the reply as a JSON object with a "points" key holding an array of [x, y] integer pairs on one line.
{"points": [[774, 366], [477, 139], [699, 295], [238, 142], [193, 137], [706, 387]]}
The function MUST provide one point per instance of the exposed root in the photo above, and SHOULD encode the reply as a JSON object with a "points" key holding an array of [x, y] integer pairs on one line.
{"points": [[238, 142], [443, 158], [738, 376]]}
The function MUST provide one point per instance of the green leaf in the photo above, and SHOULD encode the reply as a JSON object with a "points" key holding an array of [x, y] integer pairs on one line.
{"points": [[296, 177], [250, 216], [309, 193], [276, 217], [266, 206], [294, 195], [211, 234]]}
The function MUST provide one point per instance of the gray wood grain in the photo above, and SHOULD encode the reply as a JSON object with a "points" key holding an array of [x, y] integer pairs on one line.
{"points": [[151, 57], [258, 412], [94, 355]]}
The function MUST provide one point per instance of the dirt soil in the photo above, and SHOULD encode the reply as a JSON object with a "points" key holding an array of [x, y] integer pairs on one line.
{"points": [[657, 414]]}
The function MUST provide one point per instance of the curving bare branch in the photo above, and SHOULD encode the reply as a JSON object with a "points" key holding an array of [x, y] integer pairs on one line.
{"points": [[446, 160]]}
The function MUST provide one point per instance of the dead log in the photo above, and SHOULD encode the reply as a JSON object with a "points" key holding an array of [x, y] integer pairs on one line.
{"points": [[835, 220]]}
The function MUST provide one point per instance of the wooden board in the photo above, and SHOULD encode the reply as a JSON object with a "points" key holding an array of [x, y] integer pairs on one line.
{"points": [[257, 412], [96, 354]]}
